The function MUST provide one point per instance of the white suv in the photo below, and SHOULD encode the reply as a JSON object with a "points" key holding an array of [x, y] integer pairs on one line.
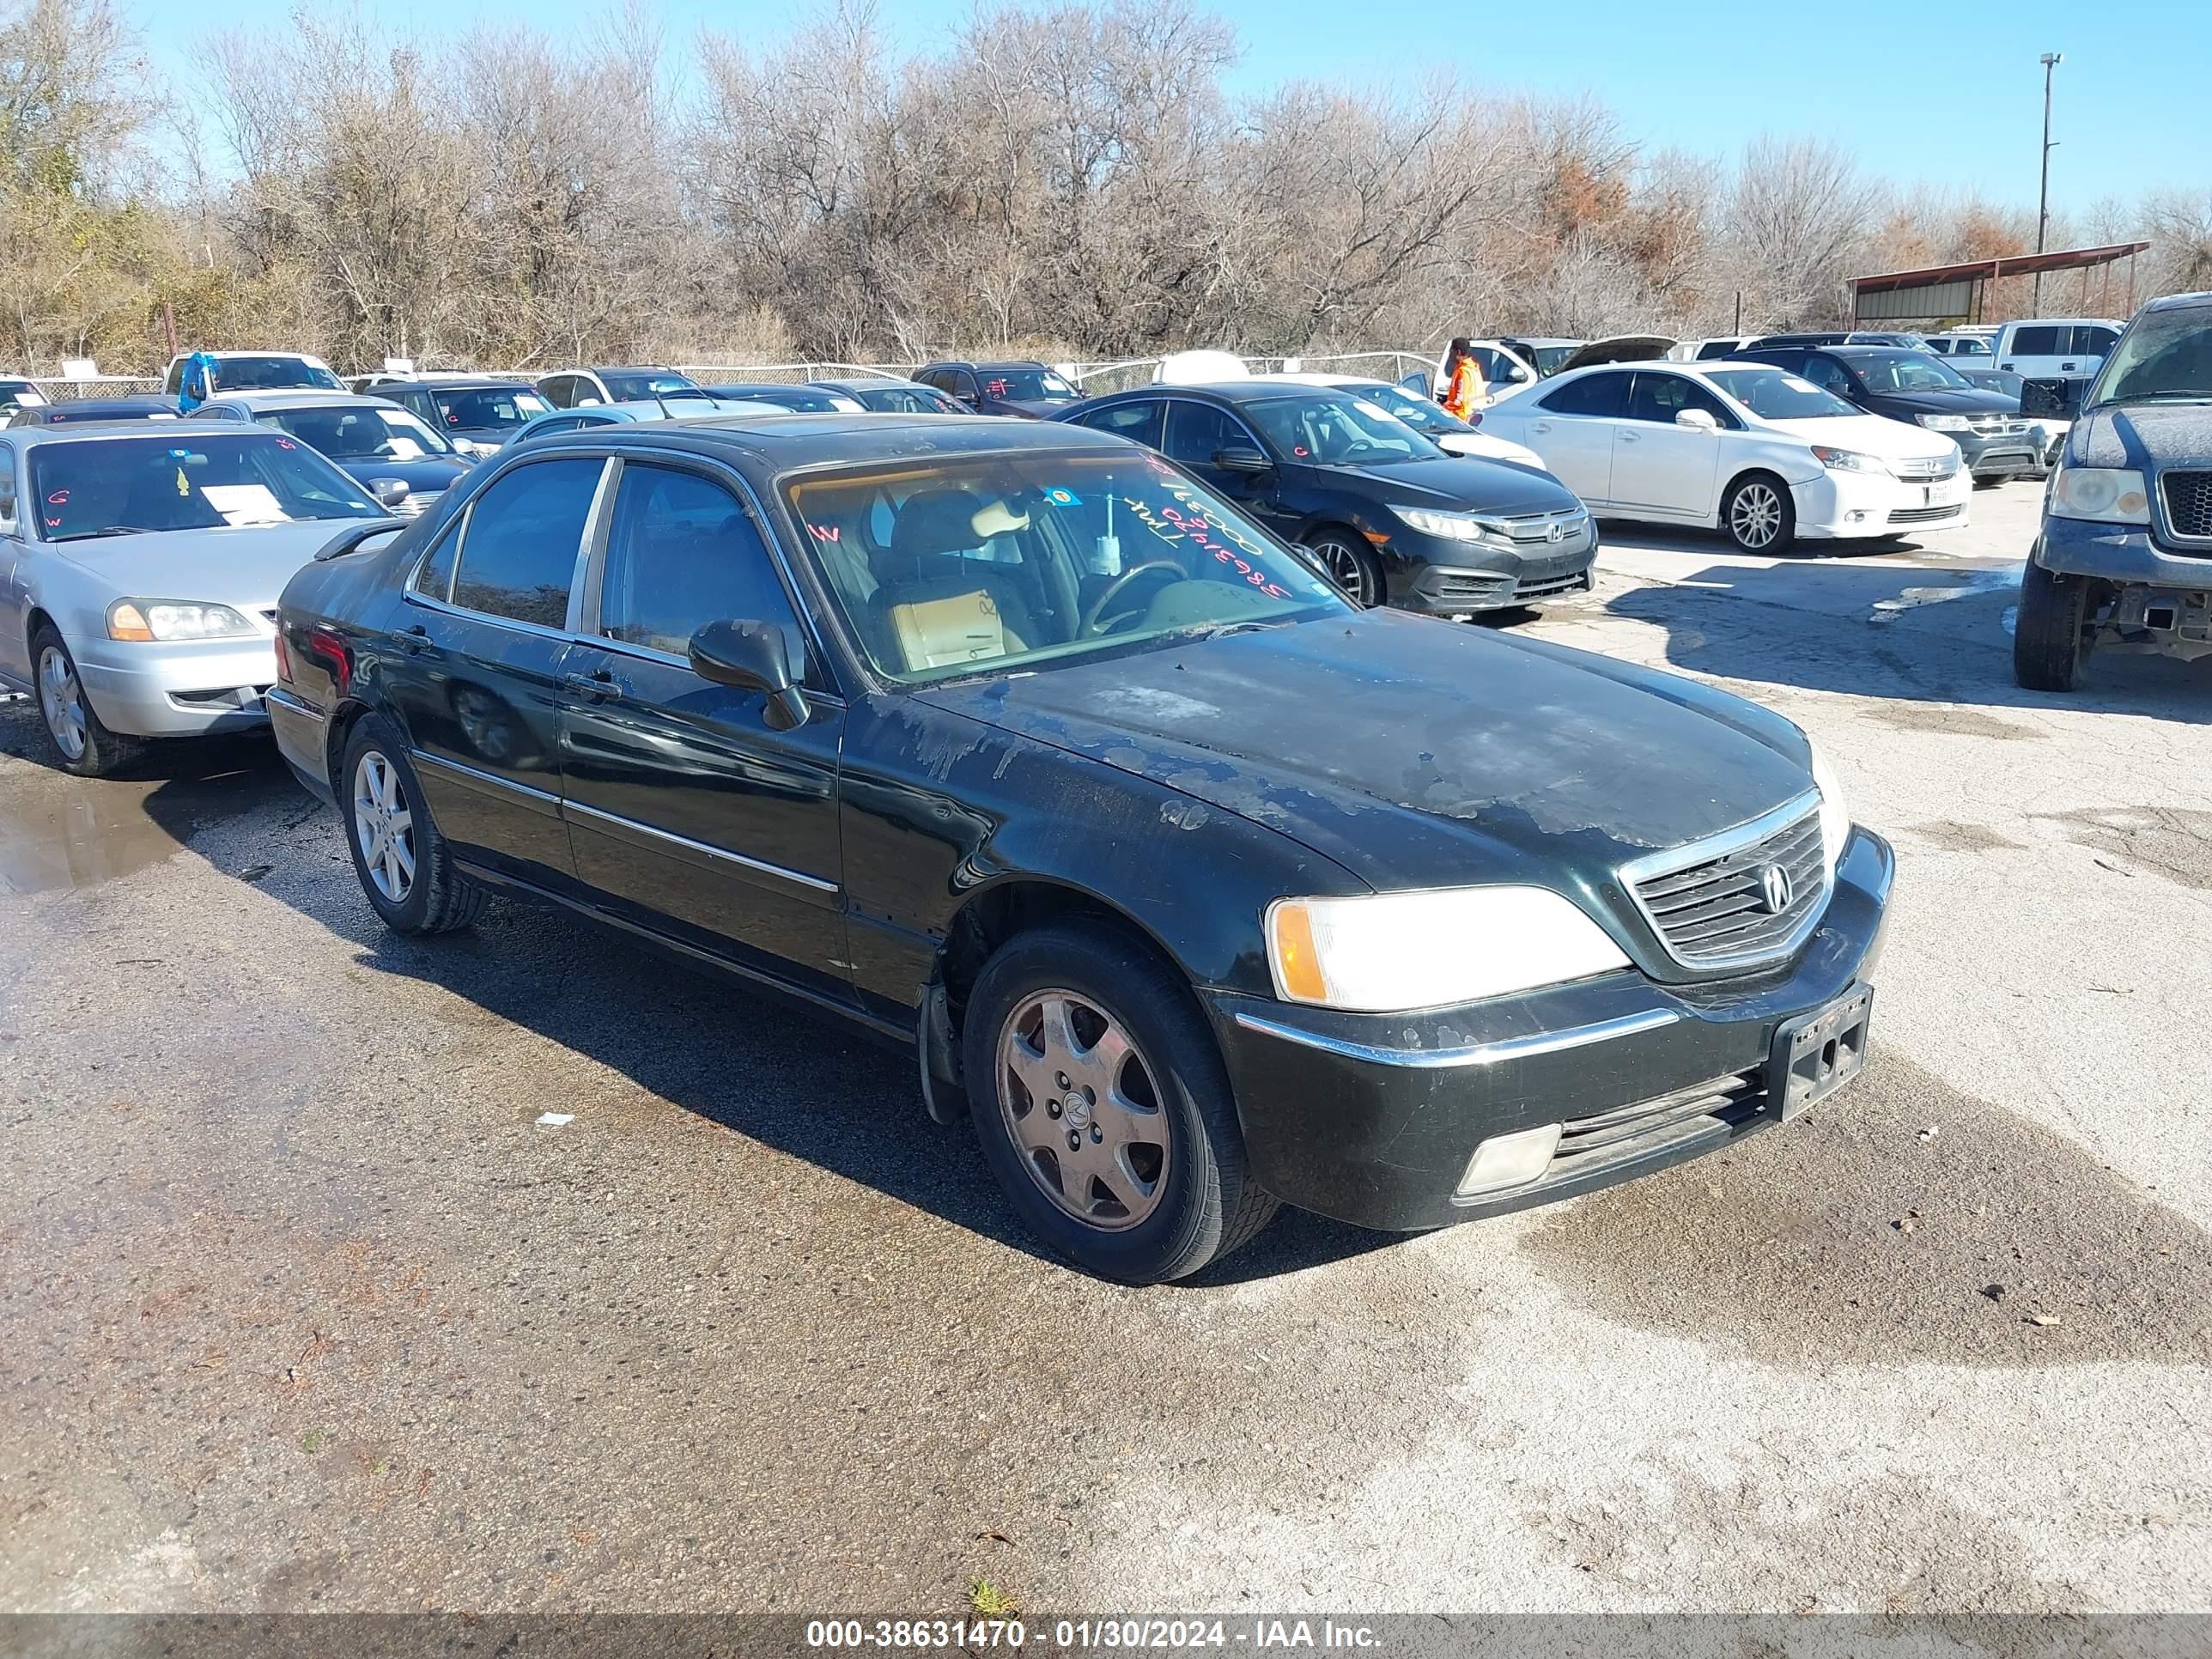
{"points": [[2055, 348]]}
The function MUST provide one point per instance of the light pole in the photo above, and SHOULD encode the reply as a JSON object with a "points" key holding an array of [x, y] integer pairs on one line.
{"points": [[2051, 60]]}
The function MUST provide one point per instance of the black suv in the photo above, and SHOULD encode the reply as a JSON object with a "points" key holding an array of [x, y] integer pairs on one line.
{"points": [[2124, 558], [1920, 389], [1027, 390], [1396, 521]]}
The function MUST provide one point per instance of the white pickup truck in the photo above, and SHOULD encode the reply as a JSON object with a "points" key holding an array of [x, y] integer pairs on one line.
{"points": [[2058, 356]]}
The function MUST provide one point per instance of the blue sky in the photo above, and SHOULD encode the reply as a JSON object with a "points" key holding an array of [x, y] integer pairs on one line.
{"points": [[1918, 95]]}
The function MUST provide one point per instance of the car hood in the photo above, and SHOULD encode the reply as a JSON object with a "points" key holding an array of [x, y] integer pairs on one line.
{"points": [[1416, 753], [1035, 408], [2148, 437], [1870, 434], [426, 476], [1952, 400], [1456, 481], [244, 565]]}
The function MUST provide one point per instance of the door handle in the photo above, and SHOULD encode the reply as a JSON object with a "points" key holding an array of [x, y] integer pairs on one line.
{"points": [[601, 685], [414, 638], [1625, 437], [2063, 366], [1539, 426]]}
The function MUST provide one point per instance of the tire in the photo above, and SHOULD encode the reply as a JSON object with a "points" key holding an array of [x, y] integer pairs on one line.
{"points": [[410, 882], [1351, 564], [1176, 1197], [2050, 634], [80, 739], [1758, 506]]}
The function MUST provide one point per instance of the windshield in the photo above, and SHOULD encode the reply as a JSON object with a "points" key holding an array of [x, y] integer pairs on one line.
{"points": [[1548, 359], [1772, 394], [800, 400], [272, 375], [906, 400], [1965, 345], [1328, 428], [1921, 371], [1996, 379], [644, 387], [963, 567], [1418, 413], [180, 481], [360, 433], [1027, 385], [484, 410], [2165, 356]]}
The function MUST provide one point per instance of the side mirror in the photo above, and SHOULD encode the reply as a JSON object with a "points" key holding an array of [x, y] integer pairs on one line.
{"points": [[586, 401], [1518, 374], [1241, 460], [751, 656], [1697, 420], [389, 492]]}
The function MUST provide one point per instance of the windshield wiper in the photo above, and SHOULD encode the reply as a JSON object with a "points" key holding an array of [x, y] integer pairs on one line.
{"points": [[110, 530], [1249, 625], [2180, 394]]}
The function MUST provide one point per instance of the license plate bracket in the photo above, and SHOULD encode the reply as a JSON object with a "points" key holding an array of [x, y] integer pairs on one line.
{"points": [[1816, 1054]]}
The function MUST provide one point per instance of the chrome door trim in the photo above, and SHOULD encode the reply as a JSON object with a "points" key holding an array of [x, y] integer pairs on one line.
{"points": [[1481, 1053], [470, 774], [648, 832]]}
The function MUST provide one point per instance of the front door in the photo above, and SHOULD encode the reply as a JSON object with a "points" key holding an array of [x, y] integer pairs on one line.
{"points": [[690, 812], [1198, 432], [1658, 466], [484, 646]]}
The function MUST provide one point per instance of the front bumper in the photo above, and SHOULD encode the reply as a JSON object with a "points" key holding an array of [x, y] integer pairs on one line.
{"points": [[1371, 1118], [1996, 455], [181, 689], [2122, 553], [1466, 579], [1843, 504]]}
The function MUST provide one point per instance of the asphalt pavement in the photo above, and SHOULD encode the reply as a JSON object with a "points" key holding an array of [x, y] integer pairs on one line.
{"points": [[304, 1304]]}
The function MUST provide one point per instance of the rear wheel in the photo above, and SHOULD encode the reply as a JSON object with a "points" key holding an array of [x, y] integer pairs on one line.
{"points": [[1351, 564], [1758, 515], [1104, 1107], [2051, 635], [86, 746], [404, 865]]}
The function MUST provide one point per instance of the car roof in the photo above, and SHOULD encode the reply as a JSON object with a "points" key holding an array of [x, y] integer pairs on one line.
{"points": [[985, 363], [302, 396], [870, 381], [1254, 390], [786, 439], [1872, 353], [614, 368], [94, 431], [2180, 301], [458, 383]]}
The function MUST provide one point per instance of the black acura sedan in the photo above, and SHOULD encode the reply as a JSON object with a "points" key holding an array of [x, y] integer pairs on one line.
{"points": [[1396, 521], [1197, 888]]}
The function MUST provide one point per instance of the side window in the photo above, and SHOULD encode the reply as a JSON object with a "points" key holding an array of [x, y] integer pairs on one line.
{"points": [[1142, 421], [960, 383], [2042, 341], [2094, 340], [433, 578], [1827, 374], [558, 390], [680, 553], [1198, 432], [1662, 397], [1595, 395], [588, 392], [518, 558]]}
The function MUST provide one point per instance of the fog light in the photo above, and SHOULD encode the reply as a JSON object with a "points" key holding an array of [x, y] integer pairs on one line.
{"points": [[1857, 518], [1503, 1161]]}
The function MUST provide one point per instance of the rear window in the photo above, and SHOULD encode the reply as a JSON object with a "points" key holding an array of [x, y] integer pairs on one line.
{"points": [[272, 374]]}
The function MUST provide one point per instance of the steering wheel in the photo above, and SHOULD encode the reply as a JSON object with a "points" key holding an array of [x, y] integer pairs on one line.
{"points": [[1092, 618]]}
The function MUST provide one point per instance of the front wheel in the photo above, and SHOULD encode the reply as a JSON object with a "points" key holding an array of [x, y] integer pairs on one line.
{"points": [[2051, 632], [1104, 1107], [85, 744], [1351, 566], [404, 865], [1758, 514]]}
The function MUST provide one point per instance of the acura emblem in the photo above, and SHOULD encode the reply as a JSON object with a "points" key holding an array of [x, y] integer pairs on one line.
{"points": [[1774, 888]]}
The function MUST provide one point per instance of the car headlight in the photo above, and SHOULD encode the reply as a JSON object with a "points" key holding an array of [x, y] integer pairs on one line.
{"points": [[1945, 422], [475, 447], [171, 620], [1451, 527], [1835, 817], [1845, 460], [1388, 952], [2106, 494]]}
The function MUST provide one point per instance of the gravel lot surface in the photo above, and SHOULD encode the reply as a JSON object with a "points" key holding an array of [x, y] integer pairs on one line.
{"points": [[301, 1308]]}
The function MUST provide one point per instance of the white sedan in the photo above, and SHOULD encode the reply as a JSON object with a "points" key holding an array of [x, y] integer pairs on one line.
{"points": [[1744, 448]]}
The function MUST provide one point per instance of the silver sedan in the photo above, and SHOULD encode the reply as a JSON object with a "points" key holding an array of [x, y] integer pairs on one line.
{"points": [[139, 573]]}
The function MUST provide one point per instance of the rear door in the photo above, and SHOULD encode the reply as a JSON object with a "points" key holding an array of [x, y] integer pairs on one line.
{"points": [[1572, 428], [1658, 466], [485, 639], [691, 812]]}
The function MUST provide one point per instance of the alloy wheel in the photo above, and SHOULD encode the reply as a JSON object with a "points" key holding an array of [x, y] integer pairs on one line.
{"points": [[1755, 516], [1349, 569], [384, 824], [61, 699], [1083, 1109]]}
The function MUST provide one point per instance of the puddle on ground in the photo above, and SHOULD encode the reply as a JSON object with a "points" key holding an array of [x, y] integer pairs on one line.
{"points": [[1963, 838], [1789, 1248], [1952, 720], [2176, 842], [58, 832]]}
